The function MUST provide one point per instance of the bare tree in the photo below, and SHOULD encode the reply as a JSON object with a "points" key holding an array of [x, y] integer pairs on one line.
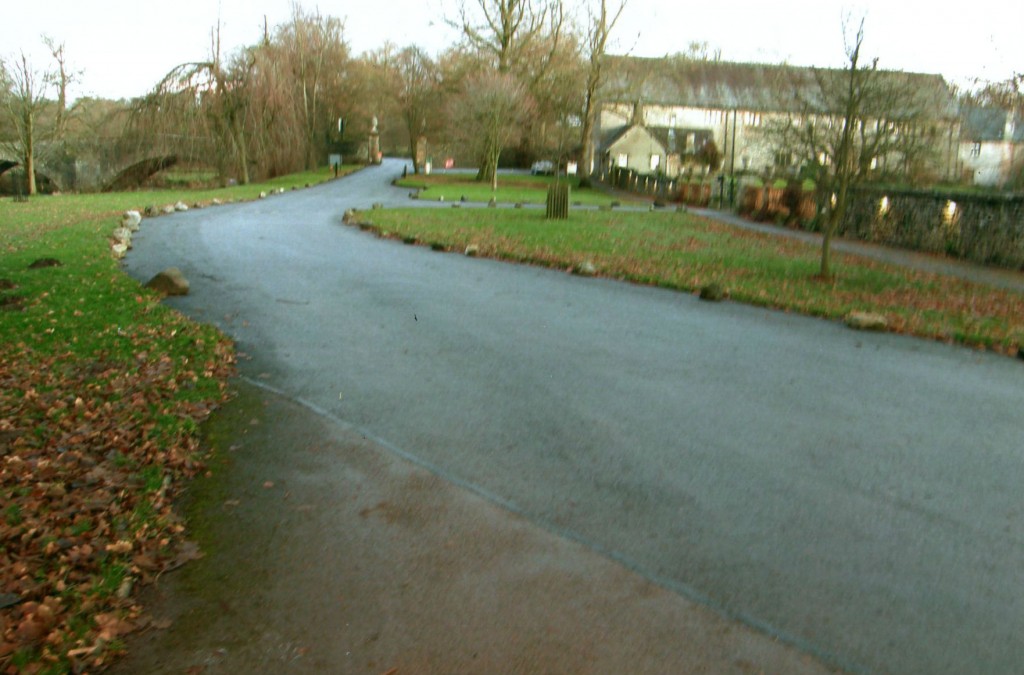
{"points": [[318, 54], [274, 122], [60, 79], [855, 124], [199, 111], [269, 108], [417, 89], [24, 102], [520, 37], [507, 29], [375, 84], [1006, 94], [493, 108], [601, 22]]}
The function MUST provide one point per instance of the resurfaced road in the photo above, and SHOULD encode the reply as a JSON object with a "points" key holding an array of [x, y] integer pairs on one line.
{"points": [[857, 495]]}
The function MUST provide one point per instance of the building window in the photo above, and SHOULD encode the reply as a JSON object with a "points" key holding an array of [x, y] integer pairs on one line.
{"points": [[622, 160], [976, 150], [783, 159], [655, 162]]}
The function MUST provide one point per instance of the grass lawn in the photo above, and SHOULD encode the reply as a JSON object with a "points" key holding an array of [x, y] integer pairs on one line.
{"points": [[686, 252], [101, 391], [512, 188]]}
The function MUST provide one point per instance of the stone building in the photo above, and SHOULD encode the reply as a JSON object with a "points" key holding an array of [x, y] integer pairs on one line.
{"points": [[991, 146], [658, 115]]}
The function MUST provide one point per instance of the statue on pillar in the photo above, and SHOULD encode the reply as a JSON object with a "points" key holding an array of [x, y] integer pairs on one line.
{"points": [[373, 147]]}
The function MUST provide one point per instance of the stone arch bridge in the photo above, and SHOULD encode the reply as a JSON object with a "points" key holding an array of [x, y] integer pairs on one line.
{"points": [[90, 172]]}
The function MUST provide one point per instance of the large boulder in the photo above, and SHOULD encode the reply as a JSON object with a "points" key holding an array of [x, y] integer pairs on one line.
{"points": [[181, 206], [119, 250], [169, 282], [131, 220]]}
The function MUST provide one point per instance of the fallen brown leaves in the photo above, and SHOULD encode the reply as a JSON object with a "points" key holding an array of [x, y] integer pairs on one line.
{"points": [[91, 457]]}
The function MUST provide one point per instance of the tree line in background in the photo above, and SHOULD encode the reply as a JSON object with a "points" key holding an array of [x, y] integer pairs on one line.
{"points": [[518, 83], [522, 83]]}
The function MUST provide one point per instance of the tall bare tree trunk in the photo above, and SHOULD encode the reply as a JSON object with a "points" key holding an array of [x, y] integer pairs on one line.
{"points": [[600, 29], [489, 169], [30, 155], [844, 154]]}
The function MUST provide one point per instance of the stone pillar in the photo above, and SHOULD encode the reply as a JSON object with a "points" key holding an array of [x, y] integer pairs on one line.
{"points": [[373, 149], [421, 152]]}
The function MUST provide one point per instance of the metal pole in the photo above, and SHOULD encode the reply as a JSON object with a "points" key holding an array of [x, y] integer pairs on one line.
{"points": [[732, 163]]}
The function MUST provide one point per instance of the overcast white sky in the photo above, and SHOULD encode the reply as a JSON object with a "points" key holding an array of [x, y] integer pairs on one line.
{"points": [[125, 46]]}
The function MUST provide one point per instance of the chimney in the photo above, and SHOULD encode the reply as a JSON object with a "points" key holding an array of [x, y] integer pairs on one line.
{"points": [[638, 113]]}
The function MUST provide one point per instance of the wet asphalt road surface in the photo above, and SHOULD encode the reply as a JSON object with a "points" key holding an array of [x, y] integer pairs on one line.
{"points": [[856, 495]]}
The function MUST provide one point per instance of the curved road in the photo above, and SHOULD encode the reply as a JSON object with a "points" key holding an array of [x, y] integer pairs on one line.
{"points": [[857, 495]]}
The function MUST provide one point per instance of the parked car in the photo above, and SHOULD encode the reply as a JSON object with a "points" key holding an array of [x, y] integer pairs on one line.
{"points": [[543, 168]]}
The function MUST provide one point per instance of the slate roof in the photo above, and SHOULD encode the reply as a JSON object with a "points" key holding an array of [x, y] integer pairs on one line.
{"points": [[662, 136], [678, 143], [983, 124], [724, 85], [613, 134]]}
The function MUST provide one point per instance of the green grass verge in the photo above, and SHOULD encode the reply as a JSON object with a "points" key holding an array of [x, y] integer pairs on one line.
{"points": [[101, 391], [512, 189], [685, 252]]}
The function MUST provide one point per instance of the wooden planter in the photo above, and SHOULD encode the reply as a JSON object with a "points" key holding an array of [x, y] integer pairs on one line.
{"points": [[752, 200], [774, 199], [807, 208], [693, 194], [705, 194]]}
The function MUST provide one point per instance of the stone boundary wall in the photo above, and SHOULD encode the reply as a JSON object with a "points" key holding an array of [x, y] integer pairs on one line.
{"points": [[986, 229]]}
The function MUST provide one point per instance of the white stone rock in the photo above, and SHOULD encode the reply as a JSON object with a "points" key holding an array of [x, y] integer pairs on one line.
{"points": [[866, 321], [472, 250], [119, 250], [215, 202], [181, 206], [167, 210], [131, 220], [263, 195], [122, 235]]}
